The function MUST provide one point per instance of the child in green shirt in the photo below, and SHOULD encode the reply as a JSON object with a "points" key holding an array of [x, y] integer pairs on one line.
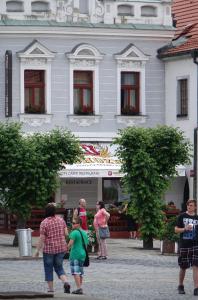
{"points": [[77, 253]]}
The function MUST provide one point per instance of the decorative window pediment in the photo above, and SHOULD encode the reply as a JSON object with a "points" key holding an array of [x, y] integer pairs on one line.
{"points": [[131, 55], [36, 51], [131, 106], [35, 84], [85, 53], [84, 84]]}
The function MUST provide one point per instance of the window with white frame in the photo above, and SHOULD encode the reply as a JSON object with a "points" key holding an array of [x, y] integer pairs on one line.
{"points": [[125, 10], [182, 97], [83, 6], [35, 83], [84, 84], [130, 91], [14, 6], [40, 6], [130, 82], [148, 11], [83, 93]]}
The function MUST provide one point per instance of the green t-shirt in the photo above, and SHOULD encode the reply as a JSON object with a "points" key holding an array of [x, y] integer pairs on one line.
{"points": [[77, 249]]}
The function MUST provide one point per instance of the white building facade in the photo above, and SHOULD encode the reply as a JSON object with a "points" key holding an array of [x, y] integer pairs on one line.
{"points": [[88, 66]]}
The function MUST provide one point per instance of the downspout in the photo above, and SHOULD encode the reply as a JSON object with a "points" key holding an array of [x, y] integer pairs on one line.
{"points": [[195, 188]]}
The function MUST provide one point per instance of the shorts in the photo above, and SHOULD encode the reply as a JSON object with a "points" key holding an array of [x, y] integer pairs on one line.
{"points": [[76, 267], [188, 257], [53, 262]]}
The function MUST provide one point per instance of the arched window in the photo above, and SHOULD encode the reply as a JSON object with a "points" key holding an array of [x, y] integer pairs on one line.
{"points": [[40, 6], [148, 11], [125, 10], [14, 6]]}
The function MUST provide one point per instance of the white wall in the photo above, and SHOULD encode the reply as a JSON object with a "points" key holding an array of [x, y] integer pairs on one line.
{"points": [[175, 69], [182, 67]]}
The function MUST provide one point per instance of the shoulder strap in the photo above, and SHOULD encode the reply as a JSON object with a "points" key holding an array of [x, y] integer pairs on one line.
{"points": [[83, 241]]}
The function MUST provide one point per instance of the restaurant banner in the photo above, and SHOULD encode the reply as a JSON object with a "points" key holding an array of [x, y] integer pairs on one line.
{"points": [[99, 161]]}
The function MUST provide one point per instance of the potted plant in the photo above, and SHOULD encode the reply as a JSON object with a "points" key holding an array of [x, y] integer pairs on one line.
{"points": [[83, 110], [129, 110], [169, 239], [35, 109]]}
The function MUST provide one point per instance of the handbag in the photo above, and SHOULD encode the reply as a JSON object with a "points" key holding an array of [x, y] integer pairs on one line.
{"points": [[104, 232], [86, 261], [66, 256]]}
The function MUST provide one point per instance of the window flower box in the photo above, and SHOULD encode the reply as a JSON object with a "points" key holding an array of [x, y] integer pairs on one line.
{"points": [[83, 110]]}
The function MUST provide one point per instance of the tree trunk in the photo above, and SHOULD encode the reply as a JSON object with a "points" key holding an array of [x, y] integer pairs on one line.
{"points": [[21, 223], [148, 243]]}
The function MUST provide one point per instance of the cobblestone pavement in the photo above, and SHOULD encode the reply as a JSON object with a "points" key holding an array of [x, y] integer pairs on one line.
{"points": [[130, 273]]}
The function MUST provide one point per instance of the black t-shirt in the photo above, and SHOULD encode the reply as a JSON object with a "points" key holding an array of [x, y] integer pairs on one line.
{"points": [[188, 238]]}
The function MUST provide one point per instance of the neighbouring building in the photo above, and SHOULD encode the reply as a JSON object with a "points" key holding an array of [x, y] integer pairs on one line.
{"points": [[91, 67], [181, 78]]}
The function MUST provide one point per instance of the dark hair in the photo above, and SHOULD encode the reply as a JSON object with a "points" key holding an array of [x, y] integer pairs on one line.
{"points": [[101, 204], [50, 210]]}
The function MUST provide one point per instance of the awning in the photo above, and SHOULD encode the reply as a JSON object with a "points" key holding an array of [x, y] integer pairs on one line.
{"points": [[100, 161]]}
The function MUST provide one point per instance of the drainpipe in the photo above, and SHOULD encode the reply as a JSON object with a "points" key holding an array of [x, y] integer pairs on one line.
{"points": [[195, 189]]}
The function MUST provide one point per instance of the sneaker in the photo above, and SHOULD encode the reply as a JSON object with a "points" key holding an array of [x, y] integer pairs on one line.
{"points": [[196, 292], [103, 257], [99, 257], [78, 292], [181, 289], [66, 288]]}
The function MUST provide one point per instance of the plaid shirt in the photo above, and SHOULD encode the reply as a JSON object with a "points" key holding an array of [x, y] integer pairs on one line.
{"points": [[53, 229]]}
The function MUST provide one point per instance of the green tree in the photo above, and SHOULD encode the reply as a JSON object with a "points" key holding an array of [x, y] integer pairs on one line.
{"points": [[29, 166], [149, 157]]}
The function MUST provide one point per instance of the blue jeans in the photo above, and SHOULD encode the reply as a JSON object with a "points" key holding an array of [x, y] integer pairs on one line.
{"points": [[53, 261]]}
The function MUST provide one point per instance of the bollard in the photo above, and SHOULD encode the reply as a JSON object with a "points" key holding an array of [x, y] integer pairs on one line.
{"points": [[25, 241]]}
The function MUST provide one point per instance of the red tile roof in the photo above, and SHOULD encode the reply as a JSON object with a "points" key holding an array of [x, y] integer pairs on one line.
{"points": [[185, 14]]}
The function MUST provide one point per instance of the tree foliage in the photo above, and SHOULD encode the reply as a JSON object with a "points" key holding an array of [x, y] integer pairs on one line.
{"points": [[149, 157], [29, 166]]}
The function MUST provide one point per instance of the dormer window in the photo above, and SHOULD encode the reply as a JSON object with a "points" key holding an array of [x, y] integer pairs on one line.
{"points": [[148, 11], [40, 6], [125, 10], [14, 6]]}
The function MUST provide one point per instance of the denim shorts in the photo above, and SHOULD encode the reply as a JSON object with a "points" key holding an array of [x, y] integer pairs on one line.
{"points": [[53, 262], [77, 267]]}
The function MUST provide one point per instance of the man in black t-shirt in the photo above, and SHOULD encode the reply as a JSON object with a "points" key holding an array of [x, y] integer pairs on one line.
{"points": [[187, 226]]}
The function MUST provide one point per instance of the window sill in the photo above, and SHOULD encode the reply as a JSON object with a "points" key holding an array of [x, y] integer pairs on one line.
{"points": [[131, 120], [35, 120], [182, 117], [84, 120]]}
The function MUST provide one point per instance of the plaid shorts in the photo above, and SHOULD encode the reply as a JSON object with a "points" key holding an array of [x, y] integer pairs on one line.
{"points": [[76, 267], [188, 257]]}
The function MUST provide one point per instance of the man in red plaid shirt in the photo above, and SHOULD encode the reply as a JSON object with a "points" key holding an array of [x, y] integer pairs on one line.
{"points": [[52, 240]]}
